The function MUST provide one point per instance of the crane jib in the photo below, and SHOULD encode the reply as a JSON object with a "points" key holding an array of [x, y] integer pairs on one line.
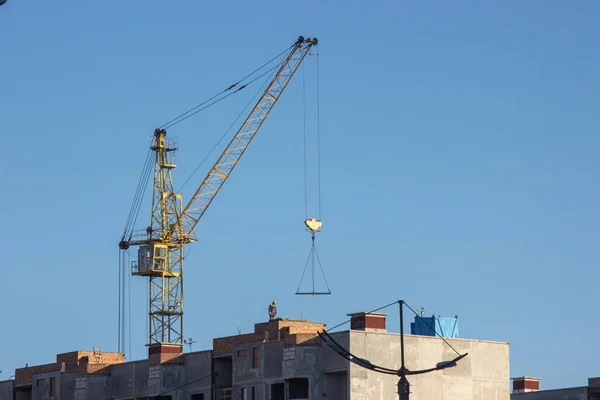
{"points": [[183, 229]]}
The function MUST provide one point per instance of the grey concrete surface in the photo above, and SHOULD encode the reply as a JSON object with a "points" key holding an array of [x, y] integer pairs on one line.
{"points": [[198, 367], [576, 393], [6, 390], [22, 394], [130, 380], [483, 374]]}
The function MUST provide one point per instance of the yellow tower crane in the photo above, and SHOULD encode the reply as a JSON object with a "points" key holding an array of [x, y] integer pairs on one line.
{"points": [[160, 251]]}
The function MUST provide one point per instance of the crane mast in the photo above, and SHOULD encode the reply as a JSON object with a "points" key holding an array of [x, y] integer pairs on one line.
{"points": [[160, 252]]}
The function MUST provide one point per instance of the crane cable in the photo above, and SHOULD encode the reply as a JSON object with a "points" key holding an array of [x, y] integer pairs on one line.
{"points": [[138, 197], [222, 98], [319, 135], [194, 110], [145, 174], [313, 256], [260, 89], [306, 143]]}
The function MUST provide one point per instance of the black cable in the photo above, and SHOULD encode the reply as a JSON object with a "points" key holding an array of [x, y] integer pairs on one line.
{"points": [[319, 137], [129, 306], [184, 385], [224, 134], [370, 312], [144, 177], [169, 123], [368, 365], [305, 161], [353, 356], [139, 205], [322, 272], [304, 272], [422, 319], [136, 195], [137, 200], [222, 98], [119, 315]]}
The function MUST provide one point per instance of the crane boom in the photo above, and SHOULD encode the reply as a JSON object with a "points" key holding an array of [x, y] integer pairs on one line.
{"points": [[183, 229], [160, 252]]}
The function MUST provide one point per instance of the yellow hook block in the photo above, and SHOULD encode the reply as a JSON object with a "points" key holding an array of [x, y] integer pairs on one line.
{"points": [[313, 224]]}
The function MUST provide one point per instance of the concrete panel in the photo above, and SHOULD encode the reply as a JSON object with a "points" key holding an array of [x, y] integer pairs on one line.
{"points": [[271, 360], [335, 386], [6, 390], [332, 361], [242, 364], [198, 368], [98, 387], [42, 391], [130, 379], [172, 378], [577, 393], [483, 374], [22, 394], [66, 386]]}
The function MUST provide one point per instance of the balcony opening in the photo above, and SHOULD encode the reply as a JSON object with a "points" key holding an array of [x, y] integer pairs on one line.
{"points": [[277, 391], [298, 388]]}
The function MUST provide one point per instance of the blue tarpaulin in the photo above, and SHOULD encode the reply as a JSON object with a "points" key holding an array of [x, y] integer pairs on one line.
{"points": [[429, 326]]}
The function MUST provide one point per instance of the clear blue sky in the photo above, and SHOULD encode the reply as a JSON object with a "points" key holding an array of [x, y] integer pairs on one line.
{"points": [[459, 168]]}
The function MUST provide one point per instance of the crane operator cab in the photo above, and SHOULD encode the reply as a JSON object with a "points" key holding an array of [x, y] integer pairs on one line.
{"points": [[152, 259]]}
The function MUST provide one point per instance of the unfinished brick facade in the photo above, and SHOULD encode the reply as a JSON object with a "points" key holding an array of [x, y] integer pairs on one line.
{"points": [[84, 362], [292, 332]]}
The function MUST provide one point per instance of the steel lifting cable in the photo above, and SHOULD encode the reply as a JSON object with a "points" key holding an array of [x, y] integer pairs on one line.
{"points": [[313, 256], [137, 198], [222, 98], [119, 314], [260, 89], [194, 110], [145, 175], [305, 147], [318, 90], [319, 136]]}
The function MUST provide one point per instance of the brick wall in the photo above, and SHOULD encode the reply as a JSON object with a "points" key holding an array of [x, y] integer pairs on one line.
{"points": [[300, 339], [23, 376], [165, 353], [81, 361], [293, 332], [224, 345]]}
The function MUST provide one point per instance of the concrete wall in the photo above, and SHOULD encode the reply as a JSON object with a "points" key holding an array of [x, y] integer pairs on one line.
{"points": [[335, 386], [130, 379], [198, 365], [305, 362], [332, 362], [577, 393], [242, 364], [483, 374], [271, 360], [66, 386], [22, 393], [98, 387], [7, 390], [42, 391]]}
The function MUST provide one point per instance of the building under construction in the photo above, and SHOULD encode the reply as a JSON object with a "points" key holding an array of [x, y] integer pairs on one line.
{"points": [[281, 359]]}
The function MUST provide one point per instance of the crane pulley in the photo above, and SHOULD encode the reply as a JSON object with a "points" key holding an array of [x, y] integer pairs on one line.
{"points": [[160, 248]]}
